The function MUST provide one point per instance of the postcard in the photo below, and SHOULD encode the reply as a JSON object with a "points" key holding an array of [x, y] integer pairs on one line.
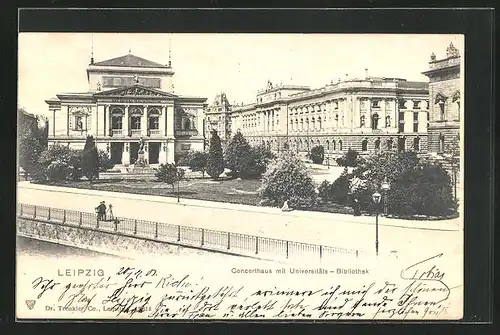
{"points": [[273, 177]]}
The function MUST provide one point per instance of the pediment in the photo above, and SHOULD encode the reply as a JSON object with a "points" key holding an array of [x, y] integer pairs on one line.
{"points": [[440, 97], [135, 91]]}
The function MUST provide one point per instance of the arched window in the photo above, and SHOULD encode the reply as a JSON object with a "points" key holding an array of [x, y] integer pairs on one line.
{"points": [[389, 144], [291, 124], [340, 145], [362, 121], [364, 145], [301, 124], [319, 122], [328, 145], [334, 145], [313, 123], [187, 124], [336, 120], [377, 144], [416, 144]]}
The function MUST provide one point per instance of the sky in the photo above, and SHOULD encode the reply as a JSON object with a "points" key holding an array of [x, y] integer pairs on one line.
{"points": [[237, 64]]}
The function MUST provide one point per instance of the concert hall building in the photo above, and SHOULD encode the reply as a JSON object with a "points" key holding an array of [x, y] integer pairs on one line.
{"points": [[129, 98]]}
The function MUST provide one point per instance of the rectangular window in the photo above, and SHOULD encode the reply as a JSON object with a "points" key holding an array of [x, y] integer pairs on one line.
{"points": [[415, 127], [185, 147]]}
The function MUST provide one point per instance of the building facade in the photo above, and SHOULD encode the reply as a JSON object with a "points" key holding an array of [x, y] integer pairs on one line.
{"points": [[366, 114], [218, 117], [129, 98], [445, 97]]}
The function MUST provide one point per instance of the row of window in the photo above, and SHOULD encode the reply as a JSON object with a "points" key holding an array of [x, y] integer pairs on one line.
{"points": [[334, 145]]}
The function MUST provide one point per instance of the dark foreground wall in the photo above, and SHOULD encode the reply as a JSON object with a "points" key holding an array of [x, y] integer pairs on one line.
{"points": [[100, 241]]}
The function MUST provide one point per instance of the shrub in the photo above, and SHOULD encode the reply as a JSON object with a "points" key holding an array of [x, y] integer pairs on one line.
{"points": [[425, 190], [169, 174], [105, 162], [261, 156], [63, 154], [183, 158], [215, 159], [317, 154], [198, 162], [349, 159], [57, 170], [338, 191], [287, 178], [417, 188]]}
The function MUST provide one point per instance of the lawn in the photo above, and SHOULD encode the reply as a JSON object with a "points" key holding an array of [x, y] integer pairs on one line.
{"points": [[231, 191]]}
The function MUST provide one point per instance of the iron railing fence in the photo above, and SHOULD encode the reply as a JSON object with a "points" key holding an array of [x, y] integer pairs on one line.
{"points": [[191, 236]]}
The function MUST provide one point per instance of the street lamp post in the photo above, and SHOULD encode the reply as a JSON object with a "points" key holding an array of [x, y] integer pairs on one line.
{"points": [[376, 199], [385, 186]]}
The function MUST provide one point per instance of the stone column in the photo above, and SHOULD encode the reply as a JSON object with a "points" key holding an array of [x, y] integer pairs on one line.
{"points": [[105, 123], [161, 122], [162, 157], [67, 119], [381, 120], [169, 114], [144, 121], [263, 122], [125, 130], [199, 123], [170, 151], [126, 154], [273, 120]]}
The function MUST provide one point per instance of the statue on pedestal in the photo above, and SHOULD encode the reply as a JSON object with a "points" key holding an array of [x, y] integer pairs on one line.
{"points": [[141, 161]]}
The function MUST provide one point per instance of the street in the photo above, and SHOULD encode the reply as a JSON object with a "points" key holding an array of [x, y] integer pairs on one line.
{"points": [[337, 230]]}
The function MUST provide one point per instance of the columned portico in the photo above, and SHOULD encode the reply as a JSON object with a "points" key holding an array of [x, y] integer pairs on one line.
{"points": [[129, 100]]}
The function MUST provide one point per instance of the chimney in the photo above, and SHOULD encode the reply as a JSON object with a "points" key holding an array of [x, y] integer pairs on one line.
{"points": [[366, 73]]}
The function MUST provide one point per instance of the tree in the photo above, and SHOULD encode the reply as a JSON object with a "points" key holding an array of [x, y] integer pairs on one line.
{"points": [[32, 142], [169, 174], [215, 159], [317, 154], [349, 159], [417, 187], [198, 162], [90, 160], [423, 191], [105, 162], [287, 178], [238, 155], [60, 155], [338, 191]]}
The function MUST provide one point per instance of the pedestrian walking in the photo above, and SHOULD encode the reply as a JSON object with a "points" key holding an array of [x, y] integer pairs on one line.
{"points": [[356, 207], [110, 215], [101, 211]]}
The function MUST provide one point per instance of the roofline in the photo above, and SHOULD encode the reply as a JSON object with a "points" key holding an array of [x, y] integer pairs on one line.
{"points": [[444, 68]]}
